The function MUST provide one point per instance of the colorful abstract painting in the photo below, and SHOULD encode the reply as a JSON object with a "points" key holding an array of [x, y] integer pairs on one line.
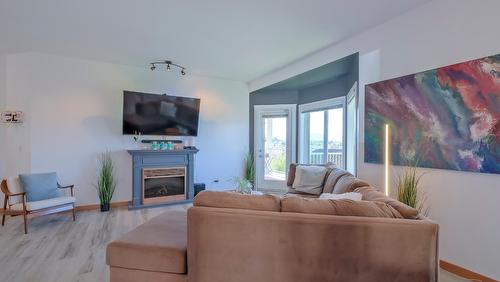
{"points": [[447, 118]]}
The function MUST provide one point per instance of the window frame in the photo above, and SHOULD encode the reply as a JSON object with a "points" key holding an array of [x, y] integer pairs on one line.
{"points": [[303, 130]]}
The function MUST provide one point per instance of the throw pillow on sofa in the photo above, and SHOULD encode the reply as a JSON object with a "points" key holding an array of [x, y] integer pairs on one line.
{"points": [[293, 167], [338, 207], [347, 183], [347, 196], [332, 179], [309, 179]]}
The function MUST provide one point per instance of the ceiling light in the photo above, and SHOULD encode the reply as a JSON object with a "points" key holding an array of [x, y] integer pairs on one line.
{"points": [[169, 65]]}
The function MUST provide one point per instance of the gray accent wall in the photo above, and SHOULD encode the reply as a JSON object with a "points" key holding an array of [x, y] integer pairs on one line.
{"points": [[343, 74], [336, 88]]}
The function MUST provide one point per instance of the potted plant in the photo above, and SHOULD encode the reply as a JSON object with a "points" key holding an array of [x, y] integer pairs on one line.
{"points": [[246, 184], [106, 182], [250, 169], [243, 186], [409, 190]]}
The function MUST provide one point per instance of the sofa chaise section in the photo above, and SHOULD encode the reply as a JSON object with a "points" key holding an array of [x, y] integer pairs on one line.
{"points": [[154, 251]]}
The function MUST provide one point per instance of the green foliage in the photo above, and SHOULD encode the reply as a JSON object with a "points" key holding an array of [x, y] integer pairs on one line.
{"points": [[243, 185], [250, 169], [279, 163], [408, 184], [106, 182]]}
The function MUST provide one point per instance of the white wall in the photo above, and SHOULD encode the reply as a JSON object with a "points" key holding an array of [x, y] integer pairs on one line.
{"points": [[73, 113], [3, 160], [443, 32]]}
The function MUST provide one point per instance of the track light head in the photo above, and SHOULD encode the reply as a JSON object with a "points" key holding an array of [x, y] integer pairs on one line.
{"points": [[168, 67], [183, 72]]}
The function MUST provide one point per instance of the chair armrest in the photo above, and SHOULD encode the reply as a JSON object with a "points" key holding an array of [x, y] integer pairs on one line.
{"points": [[16, 194], [64, 187]]}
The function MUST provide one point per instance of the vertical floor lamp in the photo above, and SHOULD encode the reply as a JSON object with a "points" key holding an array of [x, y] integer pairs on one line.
{"points": [[386, 159]]}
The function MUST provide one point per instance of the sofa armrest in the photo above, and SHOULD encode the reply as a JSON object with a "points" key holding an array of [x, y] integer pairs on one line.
{"points": [[243, 245]]}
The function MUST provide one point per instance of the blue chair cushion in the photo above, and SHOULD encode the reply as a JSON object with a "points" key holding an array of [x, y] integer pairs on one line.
{"points": [[39, 186]]}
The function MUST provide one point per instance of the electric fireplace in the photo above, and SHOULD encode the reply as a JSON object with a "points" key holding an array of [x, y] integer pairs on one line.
{"points": [[163, 185]]}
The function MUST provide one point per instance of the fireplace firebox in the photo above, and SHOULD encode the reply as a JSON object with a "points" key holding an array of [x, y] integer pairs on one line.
{"points": [[161, 185]]}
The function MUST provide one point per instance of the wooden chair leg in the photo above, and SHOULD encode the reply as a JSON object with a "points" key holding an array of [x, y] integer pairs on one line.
{"points": [[4, 210], [74, 216], [25, 223]]}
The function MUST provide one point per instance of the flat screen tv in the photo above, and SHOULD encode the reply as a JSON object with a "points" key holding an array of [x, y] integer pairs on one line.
{"points": [[153, 114]]}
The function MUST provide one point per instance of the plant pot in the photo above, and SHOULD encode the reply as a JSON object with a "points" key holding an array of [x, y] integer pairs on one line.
{"points": [[104, 207]]}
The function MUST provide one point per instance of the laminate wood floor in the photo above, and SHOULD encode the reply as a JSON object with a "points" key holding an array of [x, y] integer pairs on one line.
{"points": [[58, 249]]}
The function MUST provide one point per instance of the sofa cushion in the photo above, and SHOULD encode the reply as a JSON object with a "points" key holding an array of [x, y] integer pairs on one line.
{"points": [[292, 191], [343, 207], [39, 186], [158, 245], [332, 179], [347, 183], [371, 194], [345, 196], [43, 204], [309, 179], [218, 199]]}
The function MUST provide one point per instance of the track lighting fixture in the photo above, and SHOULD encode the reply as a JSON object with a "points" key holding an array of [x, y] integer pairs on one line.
{"points": [[169, 65]]}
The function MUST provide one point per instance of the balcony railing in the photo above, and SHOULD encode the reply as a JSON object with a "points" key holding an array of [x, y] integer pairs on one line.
{"points": [[275, 163], [336, 158]]}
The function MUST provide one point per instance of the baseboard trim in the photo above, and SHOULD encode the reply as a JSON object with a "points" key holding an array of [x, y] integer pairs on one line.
{"points": [[464, 273], [98, 206], [95, 206]]}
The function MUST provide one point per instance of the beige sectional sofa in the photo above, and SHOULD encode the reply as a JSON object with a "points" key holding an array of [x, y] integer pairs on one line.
{"points": [[238, 238]]}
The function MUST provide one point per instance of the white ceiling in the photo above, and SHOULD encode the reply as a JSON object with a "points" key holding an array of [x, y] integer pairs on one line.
{"points": [[233, 39]]}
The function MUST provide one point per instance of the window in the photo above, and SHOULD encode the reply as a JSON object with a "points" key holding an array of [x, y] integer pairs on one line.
{"points": [[322, 132]]}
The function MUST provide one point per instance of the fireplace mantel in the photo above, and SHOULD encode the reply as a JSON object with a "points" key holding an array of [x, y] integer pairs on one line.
{"points": [[148, 159]]}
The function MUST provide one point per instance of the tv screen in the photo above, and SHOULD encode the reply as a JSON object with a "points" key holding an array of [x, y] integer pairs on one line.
{"points": [[153, 114]]}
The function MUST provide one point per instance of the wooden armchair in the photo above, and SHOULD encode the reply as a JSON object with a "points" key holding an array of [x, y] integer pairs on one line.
{"points": [[15, 202]]}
